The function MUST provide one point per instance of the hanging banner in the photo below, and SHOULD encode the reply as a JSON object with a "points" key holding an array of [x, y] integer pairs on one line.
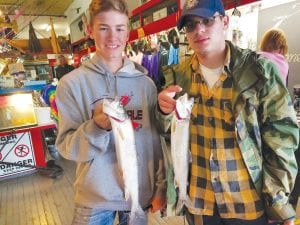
{"points": [[16, 148]]}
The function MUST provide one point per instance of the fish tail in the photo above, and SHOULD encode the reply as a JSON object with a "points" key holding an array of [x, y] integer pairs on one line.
{"points": [[137, 216], [179, 206], [188, 202], [183, 202]]}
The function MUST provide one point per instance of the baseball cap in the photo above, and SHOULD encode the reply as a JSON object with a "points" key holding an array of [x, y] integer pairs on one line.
{"points": [[201, 8]]}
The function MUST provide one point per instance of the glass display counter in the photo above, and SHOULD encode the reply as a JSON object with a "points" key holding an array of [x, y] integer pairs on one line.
{"points": [[16, 110], [21, 138]]}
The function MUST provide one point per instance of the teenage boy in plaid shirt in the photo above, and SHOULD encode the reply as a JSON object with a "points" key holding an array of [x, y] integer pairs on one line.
{"points": [[243, 131]]}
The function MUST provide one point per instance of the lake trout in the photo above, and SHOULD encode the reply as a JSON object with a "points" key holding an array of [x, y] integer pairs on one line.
{"points": [[126, 155], [180, 148]]}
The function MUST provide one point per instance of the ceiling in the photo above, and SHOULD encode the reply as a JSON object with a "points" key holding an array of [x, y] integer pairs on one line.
{"points": [[35, 7], [39, 13]]}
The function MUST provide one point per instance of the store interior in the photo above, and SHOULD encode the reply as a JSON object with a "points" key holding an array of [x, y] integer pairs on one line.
{"points": [[34, 34]]}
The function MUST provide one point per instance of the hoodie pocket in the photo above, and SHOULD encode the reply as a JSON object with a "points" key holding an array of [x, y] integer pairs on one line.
{"points": [[100, 178]]}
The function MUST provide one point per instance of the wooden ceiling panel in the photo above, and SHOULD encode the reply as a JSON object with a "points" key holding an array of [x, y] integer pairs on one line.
{"points": [[35, 7]]}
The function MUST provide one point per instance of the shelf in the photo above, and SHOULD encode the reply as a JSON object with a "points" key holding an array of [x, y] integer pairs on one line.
{"points": [[153, 16], [154, 27], [144, 7], [149, 8], [22, 89]]}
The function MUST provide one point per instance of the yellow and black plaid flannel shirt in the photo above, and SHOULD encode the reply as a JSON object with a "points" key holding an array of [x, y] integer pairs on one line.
{"points": [[219, 176]]}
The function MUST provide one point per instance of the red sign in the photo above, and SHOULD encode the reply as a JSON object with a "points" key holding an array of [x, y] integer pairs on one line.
{"points": [[3, 101]]}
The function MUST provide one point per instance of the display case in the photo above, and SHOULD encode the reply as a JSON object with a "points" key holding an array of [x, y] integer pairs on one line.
{"points": [[16, 111], [37, 70]]}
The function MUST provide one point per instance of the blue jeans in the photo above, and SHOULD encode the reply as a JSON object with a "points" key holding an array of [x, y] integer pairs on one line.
{"points": [[217, 220], [88, 216]]}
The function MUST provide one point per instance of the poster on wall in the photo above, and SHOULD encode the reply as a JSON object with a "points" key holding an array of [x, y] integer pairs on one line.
{"points": [[16, 148], [285, 17]]}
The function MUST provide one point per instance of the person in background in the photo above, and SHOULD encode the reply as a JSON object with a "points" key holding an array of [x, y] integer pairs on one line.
{"points": [[274, 47], [173, 39], [63, 67], [243, 128], [84, 131]]}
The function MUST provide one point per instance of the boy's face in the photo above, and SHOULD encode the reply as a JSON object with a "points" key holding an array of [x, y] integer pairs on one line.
{"points": [[110, 32], [208, 38]]}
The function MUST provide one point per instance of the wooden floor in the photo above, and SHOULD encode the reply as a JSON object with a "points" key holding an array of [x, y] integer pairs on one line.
{"points": [[40, 200]]}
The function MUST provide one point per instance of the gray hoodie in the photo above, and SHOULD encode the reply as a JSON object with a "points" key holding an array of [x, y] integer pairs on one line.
{"points": [[98, 181]]}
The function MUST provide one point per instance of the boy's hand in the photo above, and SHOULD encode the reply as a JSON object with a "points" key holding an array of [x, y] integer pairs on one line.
{"points": [[165, 98], [100, 118]]}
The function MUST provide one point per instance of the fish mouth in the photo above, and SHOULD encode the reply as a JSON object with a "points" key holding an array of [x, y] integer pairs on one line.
{"points": [[114, 110], [182, 115], [119, 119]]}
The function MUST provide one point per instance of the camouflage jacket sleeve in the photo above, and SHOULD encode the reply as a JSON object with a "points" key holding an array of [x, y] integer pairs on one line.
{"points": [[174, 75], [165, 120], [280, 138]]}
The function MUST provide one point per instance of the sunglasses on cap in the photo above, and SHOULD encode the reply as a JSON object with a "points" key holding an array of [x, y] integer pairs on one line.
{"points": [[191, 24]]}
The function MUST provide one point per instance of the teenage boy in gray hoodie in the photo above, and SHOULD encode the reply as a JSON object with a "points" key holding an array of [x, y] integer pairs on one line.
{"points": [[85, 134]]}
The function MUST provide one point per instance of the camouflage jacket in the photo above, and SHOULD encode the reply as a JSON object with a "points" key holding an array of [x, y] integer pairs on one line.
{"points": [[265, 122]]}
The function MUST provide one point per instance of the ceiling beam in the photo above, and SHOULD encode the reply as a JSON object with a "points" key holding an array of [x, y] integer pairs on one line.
{"points": [[30, 14]]}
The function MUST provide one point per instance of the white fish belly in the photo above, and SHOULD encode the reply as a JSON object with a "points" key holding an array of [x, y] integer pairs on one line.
{"points": [[127, 158], [180, 154]]}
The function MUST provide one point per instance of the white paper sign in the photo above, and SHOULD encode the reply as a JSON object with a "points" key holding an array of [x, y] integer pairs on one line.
{"points": [[16, 148]]}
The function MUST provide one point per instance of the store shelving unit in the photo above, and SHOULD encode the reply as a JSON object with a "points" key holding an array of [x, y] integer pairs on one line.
{"points": [[154, 16], [158, 15]]}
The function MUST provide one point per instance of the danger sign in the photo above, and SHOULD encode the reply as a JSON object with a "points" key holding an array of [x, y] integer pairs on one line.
{"points": [[16, 148], [22, 150]]}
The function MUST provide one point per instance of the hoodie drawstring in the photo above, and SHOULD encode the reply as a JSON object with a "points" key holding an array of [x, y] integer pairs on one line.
{"points": [[108, 84]]}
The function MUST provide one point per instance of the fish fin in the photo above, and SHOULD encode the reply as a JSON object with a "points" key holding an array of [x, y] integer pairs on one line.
{"points": [[127, 194], [137, 216], [121, 173], [188, 202], [179, 206], [120, 133], [173, 128]]}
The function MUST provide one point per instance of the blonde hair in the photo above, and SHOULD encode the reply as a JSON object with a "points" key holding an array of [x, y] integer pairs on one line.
{"points": [[98, 6], [273, 40]]}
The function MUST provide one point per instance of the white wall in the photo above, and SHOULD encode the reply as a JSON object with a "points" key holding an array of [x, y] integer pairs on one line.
{"points": [[285, 17], [83, 6], [72, 13], [132, 4]]}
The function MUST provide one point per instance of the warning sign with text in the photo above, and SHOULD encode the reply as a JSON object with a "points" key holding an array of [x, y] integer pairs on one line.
{"points": [[16, 149]]}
